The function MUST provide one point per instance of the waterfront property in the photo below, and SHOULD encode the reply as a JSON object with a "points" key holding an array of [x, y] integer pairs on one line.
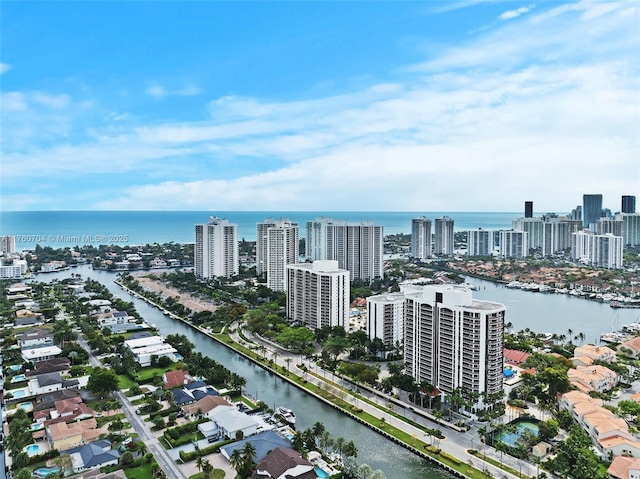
{"points": [[511, 436], [453, 341]]}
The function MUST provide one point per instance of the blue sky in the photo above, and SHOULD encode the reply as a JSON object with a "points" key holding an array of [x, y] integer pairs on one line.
{"points": [[361, 106]]}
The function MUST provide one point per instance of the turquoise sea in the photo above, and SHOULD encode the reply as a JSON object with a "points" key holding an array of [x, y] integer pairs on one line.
{"points": [[71, 228]]}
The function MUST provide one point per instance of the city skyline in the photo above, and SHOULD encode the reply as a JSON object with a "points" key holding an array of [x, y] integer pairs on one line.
{"points": [[346, 106]]}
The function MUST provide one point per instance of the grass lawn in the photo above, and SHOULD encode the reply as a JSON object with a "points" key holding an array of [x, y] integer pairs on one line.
{"points": [[124, 381], [143, 471], [149, 373], [215, 474]]}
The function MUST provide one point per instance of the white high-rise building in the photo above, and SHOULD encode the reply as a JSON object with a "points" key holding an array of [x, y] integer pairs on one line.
{"points": [[607, 251], [443, 238], [479, 242], [513, 244], [277, 243], [7, 244], [453, 341], [216, 249], [533, 226], [630, 228], [421, 238], [385, 317], [357, 247], [318, 294], [609, 225], [12, 267], [601, 251]]}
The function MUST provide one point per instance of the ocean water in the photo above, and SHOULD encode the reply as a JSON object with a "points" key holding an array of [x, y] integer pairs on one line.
{"points": [[70, 228]]}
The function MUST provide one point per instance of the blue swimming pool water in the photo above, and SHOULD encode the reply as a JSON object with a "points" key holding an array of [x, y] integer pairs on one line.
{"points": [[45, 471], [320, 472], [18, 393], [26, 406], [18, 378], [32, 450]]}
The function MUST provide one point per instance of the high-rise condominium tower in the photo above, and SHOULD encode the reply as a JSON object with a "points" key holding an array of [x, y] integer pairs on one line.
{"points": [[216, 249], [591, 210], [453, 341], [443, 243], [318, 294], [479, 242], [628, 204], [357, 247], [276, 247], [528, 209], [421, 238]]}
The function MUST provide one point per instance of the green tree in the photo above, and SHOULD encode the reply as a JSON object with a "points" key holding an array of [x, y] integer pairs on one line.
{"points": [[102, 381]]}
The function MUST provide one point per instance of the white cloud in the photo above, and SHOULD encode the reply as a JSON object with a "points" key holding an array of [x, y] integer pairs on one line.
{"points": [[508, 15], [13, 101], [4, 67], [51, 101], [156, 91], [519, 111], [159, 91]]}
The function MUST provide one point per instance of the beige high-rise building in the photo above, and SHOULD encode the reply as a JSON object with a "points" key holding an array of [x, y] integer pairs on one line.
{"points": [[318, 294], [276, 247], [453, 341], [216, 249]]}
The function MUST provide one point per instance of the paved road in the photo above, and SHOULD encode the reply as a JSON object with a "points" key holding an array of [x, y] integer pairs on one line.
{"points": [[454, 443], [160, 454]]}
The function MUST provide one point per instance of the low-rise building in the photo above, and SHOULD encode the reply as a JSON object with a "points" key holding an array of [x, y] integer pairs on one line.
{"points": [[597, 353], [593, 378], [94, 455], [35, 337], [284, 463], [42, 353], [143, 349]]}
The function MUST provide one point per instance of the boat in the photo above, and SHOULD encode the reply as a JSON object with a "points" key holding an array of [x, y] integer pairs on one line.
{"points": [[287, 414]]}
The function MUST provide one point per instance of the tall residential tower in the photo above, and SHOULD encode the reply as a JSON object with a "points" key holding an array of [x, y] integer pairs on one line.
{"points": [[216, 249]]}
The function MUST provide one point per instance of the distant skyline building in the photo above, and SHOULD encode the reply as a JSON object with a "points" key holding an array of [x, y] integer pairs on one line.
{"points": [[421, 238], [576, 213], [443, 240], [12, 268], [358, 247], [609, 225], [528, 209], [277, 246], [7, 244], [601, 251], [591, 210], [453, 341], [630, 228], [533, 227], [216, 249], [513, 244], [628, 204], [479, 242], [318, 294], [385, 318]]}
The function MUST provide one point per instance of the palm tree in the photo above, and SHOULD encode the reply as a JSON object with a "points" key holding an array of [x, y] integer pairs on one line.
{"points": [[378, 474], [318, 429], [199, 463], [339, 445], [249, 452], [364, 470], [236, 459], [350, 449], [288, 361], [207, 468], [325, 440]]}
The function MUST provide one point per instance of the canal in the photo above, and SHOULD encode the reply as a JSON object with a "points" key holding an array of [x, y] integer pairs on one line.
{"points": [[373, 449]]}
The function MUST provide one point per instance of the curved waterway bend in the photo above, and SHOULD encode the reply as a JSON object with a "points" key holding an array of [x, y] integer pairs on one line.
{"points": [[373, 449]]}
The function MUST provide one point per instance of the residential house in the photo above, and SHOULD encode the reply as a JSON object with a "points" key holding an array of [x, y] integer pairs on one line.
{"points": [[175, 379], [206, 405], [630, 348], [144, 349], [63, 436], [54, 365], [513, 357], [263, 442], [93, 455], [284, 463], [41, 353], [35, 337], [623, 467]]}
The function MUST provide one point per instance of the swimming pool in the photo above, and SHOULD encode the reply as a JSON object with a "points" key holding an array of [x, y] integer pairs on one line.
{"points": [[15, 367], [18, 378], [45, 471], [26, 406], [36, 427], [32, 450], [511, 438], [320, 472], [18, 393]]}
